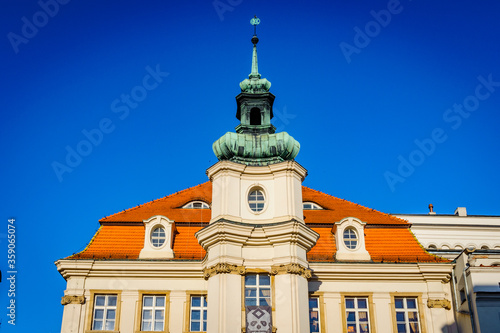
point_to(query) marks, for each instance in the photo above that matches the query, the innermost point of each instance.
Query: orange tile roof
(388, 238)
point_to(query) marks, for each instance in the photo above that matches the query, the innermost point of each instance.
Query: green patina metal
(255, 141)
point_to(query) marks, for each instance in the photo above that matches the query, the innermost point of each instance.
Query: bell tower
(256, 242)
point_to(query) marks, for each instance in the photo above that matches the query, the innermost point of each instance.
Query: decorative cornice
(223, 268)
(291, 269)
(72, 299)
(439, 303)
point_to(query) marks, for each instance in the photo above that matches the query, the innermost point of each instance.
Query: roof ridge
(152, 201)
(361, 206)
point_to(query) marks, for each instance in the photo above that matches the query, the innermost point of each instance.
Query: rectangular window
(357, 315)
(314, 323)
(407, 315)
(104, 315)
(198, 316)
(257, 290)
(153, 313)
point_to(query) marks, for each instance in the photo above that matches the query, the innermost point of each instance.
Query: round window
(158, 236)
(350, 238)
(256, 200)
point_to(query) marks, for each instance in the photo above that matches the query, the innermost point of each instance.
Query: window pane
(195, 326)
(351, 316)
(313, 302)
(195, 301)
(147, 314)
(110, 314)
(351, 328)
(414, 328)
(205, 315)
(158, 314)
(349, 303)
(110, 325)
(398, 303)
(251, 292)
(146, 326)
(363, 316)
(264, 302)
(251, 280)
(99, 314)
(264, 280)
(411, 303)
(205, 326)
(97, 325)
(400, 316)
(99, 300)
(363, 328)
(362, 303)
(148, 300)
(158, 326)
(265, 293)
(412, 316)
(204, 301)
(160, 301)
(111, 300)
(401, 328)
(195, 315)
(250, 301)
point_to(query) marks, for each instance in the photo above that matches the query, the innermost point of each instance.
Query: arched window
(311, 206)
(432, 247)
(197, 205)
(255, 118)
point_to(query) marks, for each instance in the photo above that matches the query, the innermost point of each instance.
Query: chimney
(431, 210)
(461, 211)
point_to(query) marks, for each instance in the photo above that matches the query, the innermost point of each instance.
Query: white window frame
(357, 310)
(105, 308)
(315, 309)
(153, 308)
(406, 311)
(258, 288)
(203, 313)
(312, 206)
(191, 205)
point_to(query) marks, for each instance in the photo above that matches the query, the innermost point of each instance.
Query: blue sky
(395, 104)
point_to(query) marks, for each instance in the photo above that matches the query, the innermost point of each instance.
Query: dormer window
(350, 240)
(311, 206)
(196, 205)
(158, 238)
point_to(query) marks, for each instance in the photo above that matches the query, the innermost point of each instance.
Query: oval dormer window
(350, 238)
(197, 205)
(158, 237)
(256, 200)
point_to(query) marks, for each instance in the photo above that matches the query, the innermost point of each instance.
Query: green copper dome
(255, 141)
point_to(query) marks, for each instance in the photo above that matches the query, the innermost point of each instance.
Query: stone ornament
(72, 300)
(223, 268)
(292, 269)
(439, 303)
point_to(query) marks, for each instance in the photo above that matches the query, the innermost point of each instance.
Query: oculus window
(256, 200)
(158, 236)
(350, 238)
